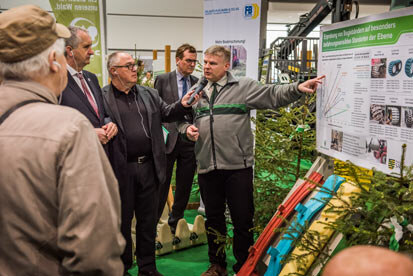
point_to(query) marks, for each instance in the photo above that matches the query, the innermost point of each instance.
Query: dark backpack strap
(11, 110)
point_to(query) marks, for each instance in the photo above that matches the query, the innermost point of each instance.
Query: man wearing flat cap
(59, 199)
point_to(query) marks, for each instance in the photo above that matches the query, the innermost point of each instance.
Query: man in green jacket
(224, 149)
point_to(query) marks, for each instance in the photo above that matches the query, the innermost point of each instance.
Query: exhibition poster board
(86, 14)
(365, 104)
(236, 25)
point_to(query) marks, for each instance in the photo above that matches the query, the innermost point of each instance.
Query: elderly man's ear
(54, 65)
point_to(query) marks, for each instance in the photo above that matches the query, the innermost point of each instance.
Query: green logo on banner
(85, 14)
(90, 27)
(376, 33)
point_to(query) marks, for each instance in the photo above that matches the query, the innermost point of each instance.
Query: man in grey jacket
(224, 149)
(59, 198)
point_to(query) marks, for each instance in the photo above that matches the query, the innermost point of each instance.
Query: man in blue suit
(83, 91)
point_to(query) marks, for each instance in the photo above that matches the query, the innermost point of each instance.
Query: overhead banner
(236, 25)
(85, 14)
(365, 104)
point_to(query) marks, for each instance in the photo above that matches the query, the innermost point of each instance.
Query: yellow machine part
(293, 68)
(346, 190)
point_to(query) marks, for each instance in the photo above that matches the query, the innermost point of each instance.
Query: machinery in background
(398, 4)
(296, 55)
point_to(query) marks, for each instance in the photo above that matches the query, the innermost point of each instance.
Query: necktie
(87, 93)
(184, 86)
(213, 94)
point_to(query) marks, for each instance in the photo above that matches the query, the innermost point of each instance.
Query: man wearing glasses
(83, 91)
(172, 87)
(139, 152)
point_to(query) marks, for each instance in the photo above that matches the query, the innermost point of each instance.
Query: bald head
(365, 260)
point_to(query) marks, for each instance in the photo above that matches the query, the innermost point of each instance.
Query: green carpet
(187, 262)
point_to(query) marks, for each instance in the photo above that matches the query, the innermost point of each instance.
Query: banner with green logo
(85, 14)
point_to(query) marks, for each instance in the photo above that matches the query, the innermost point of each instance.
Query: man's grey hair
(218, 50)
(113, 59)
(34, 67)
(74, 40)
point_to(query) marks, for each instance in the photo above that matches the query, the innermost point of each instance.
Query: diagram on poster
(365, 104)
(332, 95)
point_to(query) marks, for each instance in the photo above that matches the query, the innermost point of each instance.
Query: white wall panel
(152, 32)
(157, 7)
(7, 4)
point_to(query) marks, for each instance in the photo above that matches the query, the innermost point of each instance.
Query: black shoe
(215, 270)
(173, 229)
(173, 222)
(149, 273)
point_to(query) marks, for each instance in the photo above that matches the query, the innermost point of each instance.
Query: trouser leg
(239, 191)
(126, 191)
(213, 195)
(236, 188)
(164, 187)
(146, 203)
(185, 171)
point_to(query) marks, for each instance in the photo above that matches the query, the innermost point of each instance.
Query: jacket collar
(231, 78)
(33, 87)
(174, 84)
(109, 97)
(228, 79)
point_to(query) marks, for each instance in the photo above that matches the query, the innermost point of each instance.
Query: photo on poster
(407, 115)
(408, 67)
(378, 68)
(377, 150)
(393, 115)
(238, 62)
(336, 140)
(395, 67)
(377, 114)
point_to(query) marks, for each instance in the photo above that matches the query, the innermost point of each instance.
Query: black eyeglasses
(129, 66)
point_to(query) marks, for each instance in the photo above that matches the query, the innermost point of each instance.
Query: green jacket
(225, 138)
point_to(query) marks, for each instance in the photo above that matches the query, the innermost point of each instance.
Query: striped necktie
(88, 93)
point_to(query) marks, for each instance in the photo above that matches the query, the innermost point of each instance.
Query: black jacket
(158, 112)
(74, 97)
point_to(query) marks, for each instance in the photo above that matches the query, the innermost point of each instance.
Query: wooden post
(154, 54)
(170, 199)
(167, 58)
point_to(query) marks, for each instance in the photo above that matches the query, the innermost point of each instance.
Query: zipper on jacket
(211, 127)
(242, 150)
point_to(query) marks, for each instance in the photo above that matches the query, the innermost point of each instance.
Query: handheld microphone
(200, 87)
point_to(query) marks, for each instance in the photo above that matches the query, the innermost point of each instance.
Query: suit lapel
(193, 80)
(78, 92)
(144, 94)
(109, 97)
(95, 91)
(174, 85)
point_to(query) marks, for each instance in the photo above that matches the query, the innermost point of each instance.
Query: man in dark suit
(171, 87)
(83, 91)
(139, 151)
